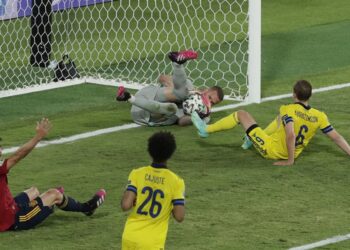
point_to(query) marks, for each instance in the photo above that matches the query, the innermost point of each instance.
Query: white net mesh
(129, 40)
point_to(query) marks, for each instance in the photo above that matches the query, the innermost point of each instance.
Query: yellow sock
(272, 127)
(225, 123)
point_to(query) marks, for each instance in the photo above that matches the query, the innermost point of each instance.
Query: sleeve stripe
(178, 202)
(132, 188)
(286, 119)
(327, 129)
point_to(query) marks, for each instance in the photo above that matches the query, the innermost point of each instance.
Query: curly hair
(161, 146)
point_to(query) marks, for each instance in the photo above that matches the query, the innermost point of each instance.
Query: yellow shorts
(265, 144)
(130, 245)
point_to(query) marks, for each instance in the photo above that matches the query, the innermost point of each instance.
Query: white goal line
(321, 243)
(77, 137)
(85, 135)
(133, 125)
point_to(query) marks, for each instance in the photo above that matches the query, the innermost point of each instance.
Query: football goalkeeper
(287, 136)
(158, 105)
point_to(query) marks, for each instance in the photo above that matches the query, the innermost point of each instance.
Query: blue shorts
(30, 213)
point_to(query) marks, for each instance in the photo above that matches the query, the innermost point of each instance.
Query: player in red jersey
(30, 208)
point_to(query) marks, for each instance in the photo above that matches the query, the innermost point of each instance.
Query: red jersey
(8, 205)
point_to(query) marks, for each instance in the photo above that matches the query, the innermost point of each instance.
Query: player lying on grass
(30, 208)
(158, 105)
(153, 193)
(286, 137)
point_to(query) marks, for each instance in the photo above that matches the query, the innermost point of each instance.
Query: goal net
(128, 40)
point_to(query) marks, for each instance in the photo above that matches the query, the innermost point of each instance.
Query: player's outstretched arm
(290, 140)
(339, 140)
(42, 129)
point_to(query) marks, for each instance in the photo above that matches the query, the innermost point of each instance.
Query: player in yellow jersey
(286, 137)
(153, 193)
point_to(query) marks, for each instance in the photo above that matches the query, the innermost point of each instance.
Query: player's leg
(179, 74)
(52, 197)
(261, 141)
(240, 117)
(154, 99)
(269, 130)
(228, 122)
(244, 118)
(95, 202)
(66, 203)
(33, 212)
(169, 92)
(166, 81)
(259, 138)
(30, 212)
(32, 193)
(164, 108)
(146, 99)
(225, 123)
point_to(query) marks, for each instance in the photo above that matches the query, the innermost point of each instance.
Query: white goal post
(126, 41)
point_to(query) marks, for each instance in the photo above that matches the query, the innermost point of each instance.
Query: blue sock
(69, 204)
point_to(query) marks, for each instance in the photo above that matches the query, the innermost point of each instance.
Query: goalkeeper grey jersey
(144, 117)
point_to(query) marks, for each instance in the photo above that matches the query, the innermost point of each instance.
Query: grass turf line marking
(278, 97)
(133, 125)
(321, 243)
(77, 137)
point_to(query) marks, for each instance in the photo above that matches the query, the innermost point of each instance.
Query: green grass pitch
(235, 199)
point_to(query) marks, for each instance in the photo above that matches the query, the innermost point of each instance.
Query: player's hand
(283, 163)
(43, 127)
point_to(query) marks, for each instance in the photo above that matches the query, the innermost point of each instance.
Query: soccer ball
(194, 103)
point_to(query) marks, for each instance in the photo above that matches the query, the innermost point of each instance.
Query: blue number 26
(156, 206)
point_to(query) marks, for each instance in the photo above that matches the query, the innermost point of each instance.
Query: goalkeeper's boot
(182, 56)
(247, 143)
(95, 202)
(199, 124)
(122, 94)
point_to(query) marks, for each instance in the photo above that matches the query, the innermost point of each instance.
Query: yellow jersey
(157, 190)
(306, 121)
